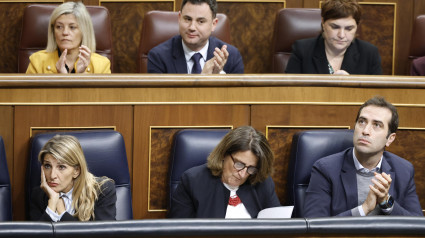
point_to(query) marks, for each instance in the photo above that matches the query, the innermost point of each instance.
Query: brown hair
(239, 140)
(336, 9)
(381, 102)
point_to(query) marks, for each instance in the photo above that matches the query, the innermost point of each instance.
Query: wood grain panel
(10, 27)
(382, 38)
(170, 116)
(283, 121)
(61, 116)
(6, 132)
(280, 139)
(161, 147)
(405, 18)
(280, 142)
(252, 37)
(409, 145)
(161, 144)
(126, 22)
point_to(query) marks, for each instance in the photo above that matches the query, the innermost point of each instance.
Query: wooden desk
(149, 109)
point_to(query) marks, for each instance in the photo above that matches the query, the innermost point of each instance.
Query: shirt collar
(68, 194)
(360, 168)
(188, 53)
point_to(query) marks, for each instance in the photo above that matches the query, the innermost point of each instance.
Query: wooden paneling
(179, 116)
(408, 145)
(382, 38)
(61, 116)
(10, 27)
(126, 21)
(252, 37)
(6, 131)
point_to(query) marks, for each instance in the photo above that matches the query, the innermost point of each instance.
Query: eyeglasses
(251, 170)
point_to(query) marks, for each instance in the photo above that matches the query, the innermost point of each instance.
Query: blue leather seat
(307, 147)
(191, 148)
(5, 191)
(105, 155)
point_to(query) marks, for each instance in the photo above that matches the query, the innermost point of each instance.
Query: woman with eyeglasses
(234, 183)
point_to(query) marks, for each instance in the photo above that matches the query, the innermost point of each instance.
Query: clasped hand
(82, 63)
(378, 192)
(216, 64)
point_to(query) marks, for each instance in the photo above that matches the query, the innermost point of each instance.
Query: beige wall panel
(61, 116)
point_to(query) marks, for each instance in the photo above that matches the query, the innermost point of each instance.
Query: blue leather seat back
(105, 155)
(191, 148)
(5, 191)
(307, 147)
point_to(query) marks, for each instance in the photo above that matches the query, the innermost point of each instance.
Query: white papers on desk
(276, 212)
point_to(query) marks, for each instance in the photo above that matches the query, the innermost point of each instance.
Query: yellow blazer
(43, 62)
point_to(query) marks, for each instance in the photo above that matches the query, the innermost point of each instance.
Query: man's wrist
(387, 203)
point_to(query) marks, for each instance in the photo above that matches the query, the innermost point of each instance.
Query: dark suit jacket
(104, 207)
(168, 57)
(309, 57)
(332, 190)
(202, 195)
(418, 67)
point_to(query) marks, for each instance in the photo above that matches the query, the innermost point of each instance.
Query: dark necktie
(196, 69)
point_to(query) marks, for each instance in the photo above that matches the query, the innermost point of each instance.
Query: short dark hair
(381, 102)
(336, 9)
(242, 139)
(211, 3)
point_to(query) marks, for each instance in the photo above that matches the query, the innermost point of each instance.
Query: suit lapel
(351, 58)
(222, 209)
(211, 47)
(349, 179)
(249, 199)
(319, 58)
(179, 61)
(386, 167)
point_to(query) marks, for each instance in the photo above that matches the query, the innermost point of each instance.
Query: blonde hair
(239, 140)
(84, 23)
(67, 150)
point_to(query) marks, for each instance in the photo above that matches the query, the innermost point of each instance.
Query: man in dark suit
(365, 180)
(195, 50)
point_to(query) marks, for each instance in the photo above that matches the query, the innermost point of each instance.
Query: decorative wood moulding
(37, 130)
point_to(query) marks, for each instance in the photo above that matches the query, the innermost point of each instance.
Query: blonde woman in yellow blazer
(70, 45)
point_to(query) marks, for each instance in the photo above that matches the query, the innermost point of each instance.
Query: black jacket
(104, 207)
(309, 57)
(202, 195)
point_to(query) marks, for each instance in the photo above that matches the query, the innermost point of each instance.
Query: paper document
(276, 212)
